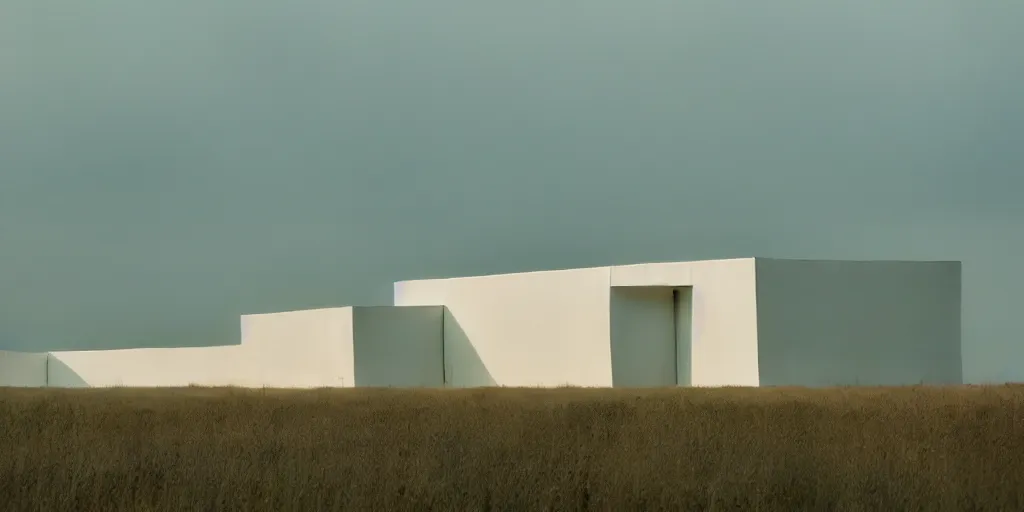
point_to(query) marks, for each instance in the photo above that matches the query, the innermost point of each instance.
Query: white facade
(295, 349)
(555, 328)
(739, 322)
(299, 349)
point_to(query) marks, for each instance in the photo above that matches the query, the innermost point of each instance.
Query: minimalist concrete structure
(301, 349)
(738, 322)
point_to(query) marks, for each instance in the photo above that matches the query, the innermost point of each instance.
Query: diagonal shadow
(463, 366)
(60, 375)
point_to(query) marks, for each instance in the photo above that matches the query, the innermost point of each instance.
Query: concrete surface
(738, 322)
(555, 327)
(723, 315)
(293, 349)
(858, 323)
(532, 329)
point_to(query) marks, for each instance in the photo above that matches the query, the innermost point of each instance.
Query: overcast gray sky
(167, 166)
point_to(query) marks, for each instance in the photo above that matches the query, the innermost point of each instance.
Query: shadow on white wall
(463, 366)
(59, 374)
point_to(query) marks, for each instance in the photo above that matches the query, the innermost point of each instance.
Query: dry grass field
(914, 448)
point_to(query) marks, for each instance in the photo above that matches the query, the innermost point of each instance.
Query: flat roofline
(837, 260)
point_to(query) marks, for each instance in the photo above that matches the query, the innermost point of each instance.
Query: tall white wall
(858, 323)
(296, 349)
(150, 367)
(530, 329)
(723, 315)
(301, 349)
(21, 369)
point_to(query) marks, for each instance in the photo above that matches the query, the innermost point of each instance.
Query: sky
(167, 166)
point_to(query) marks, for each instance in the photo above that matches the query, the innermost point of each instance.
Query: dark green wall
(167, 166)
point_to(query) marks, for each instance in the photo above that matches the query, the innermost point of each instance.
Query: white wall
(295, 349)
(859, 323)
(304, 349)
(643, 337)
(398, 346)
(21, 369)
(750, 323)
(335, 347)
(723, 315)
(531, 329)
(554, 328)
(155, 367)
(462, 364)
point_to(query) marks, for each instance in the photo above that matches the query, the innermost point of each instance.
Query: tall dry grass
(513, 449)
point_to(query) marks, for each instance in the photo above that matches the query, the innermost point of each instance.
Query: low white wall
(151, 367)
(295, 349)
(21, 369)
(825, 323)
(529, 329)
(723, 308)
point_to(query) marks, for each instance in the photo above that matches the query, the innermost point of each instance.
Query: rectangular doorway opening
(650, 336)
(682, 319)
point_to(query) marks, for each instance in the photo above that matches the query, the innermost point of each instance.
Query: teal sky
(167, 166)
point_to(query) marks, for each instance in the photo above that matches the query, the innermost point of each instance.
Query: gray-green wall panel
(822, 323)
(398, 346)
(643, 343)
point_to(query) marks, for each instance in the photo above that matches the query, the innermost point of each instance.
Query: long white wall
(530, 329)
(335, 347)
(154, 367)
(741, 322)
(301, 349)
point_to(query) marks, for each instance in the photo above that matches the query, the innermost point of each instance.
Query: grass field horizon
(847, 448)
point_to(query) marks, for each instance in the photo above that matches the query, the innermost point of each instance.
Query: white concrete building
(739, 322)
